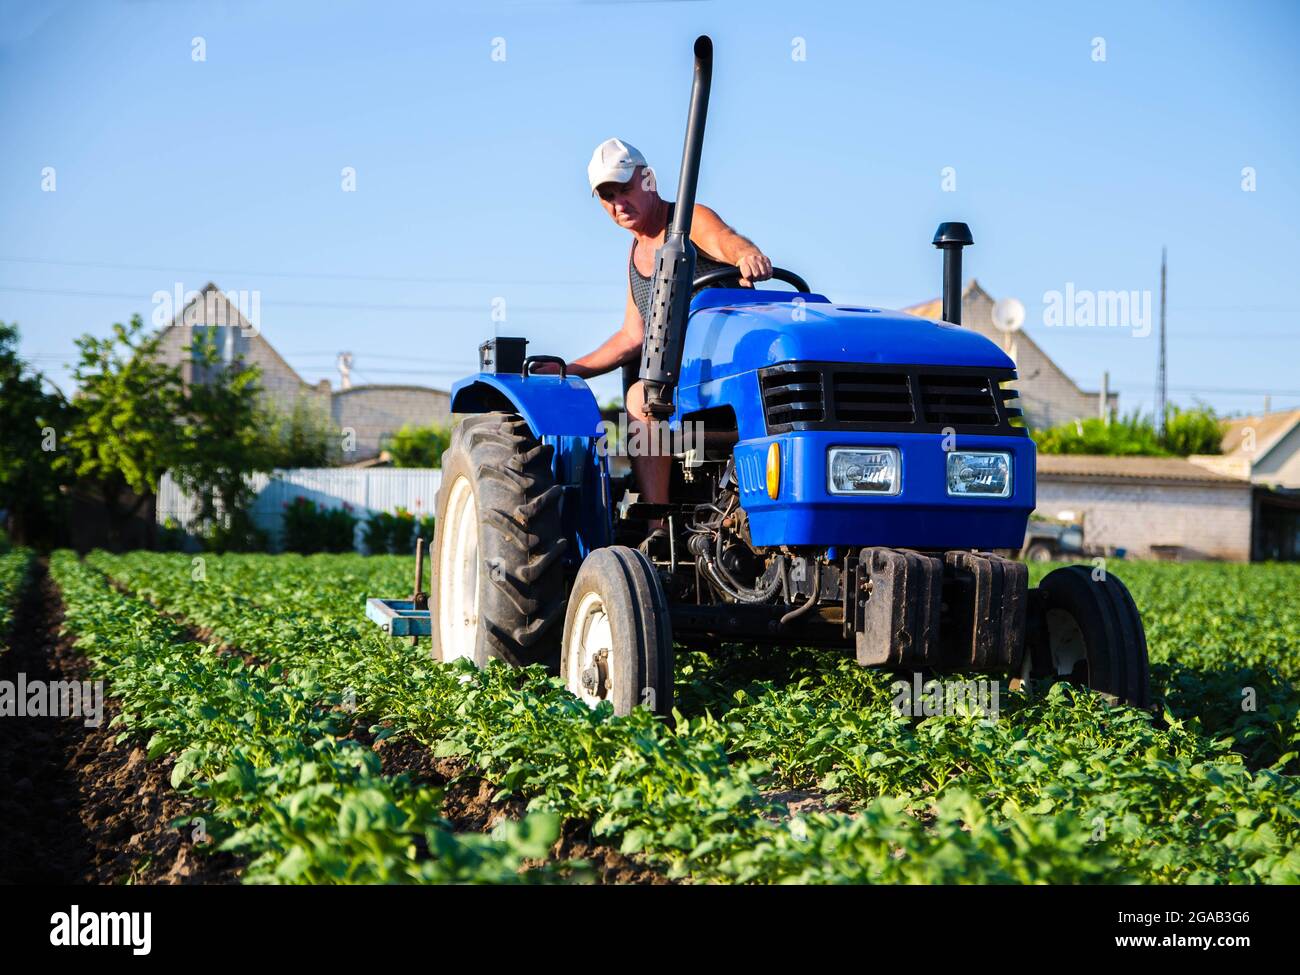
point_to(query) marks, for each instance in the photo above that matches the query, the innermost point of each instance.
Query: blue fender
(562, 413)
(553, 407)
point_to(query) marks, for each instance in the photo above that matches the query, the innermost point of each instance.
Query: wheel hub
(595, 678)
(590, 646)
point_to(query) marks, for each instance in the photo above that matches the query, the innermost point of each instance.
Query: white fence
(367, 490)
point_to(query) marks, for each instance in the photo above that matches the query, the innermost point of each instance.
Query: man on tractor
(624, 182)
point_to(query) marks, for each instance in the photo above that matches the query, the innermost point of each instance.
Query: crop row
(1225, 651)
(1060, 788)
(268, 760)
(15, 570)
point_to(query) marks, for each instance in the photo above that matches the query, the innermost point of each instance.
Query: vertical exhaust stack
(661, 350)
(951, 238)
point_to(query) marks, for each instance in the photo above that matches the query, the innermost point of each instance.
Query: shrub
(309, 528)
(418, 446)
(1132, 434)
(301, 437)
(395, 533)
(1194, 431)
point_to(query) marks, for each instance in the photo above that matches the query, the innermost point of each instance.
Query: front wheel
(1092, 635)
(618, 643)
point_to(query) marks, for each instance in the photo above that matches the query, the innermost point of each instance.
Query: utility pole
(1103, 400)
(1161, 377)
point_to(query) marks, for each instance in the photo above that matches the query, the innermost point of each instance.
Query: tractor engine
(714, 563)
(719, 544)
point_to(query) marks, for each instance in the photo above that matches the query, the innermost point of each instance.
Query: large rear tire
(498, 572)
(618, 643)
(1092, 635)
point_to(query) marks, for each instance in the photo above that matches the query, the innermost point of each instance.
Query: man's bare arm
(623, 346)
(711, 235)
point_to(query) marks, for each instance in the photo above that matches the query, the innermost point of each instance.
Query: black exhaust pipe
(661, 350)
(951, 238)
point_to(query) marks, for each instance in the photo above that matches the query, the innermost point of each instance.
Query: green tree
(127, 423)
(1195, 431)
(1191, 431)
(413, 446)
(33, 422)
(1133, 434)
(223, 446)
(301, 437)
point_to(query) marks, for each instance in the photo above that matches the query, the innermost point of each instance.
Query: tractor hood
(728, 334)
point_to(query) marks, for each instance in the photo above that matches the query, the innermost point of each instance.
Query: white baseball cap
(614, 161)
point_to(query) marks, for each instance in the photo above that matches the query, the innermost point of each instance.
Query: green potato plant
(1062, 788)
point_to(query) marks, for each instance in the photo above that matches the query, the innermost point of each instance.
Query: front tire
(618, 643)
(498, 586)
(1093, 635)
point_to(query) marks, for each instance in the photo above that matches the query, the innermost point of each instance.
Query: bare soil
(76, 806)
(469, 806)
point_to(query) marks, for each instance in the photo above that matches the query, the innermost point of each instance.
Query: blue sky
(470, 171)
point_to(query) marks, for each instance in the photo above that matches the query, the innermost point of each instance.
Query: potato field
(260, 730)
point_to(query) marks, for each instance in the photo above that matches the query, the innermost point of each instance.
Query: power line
(448, 363)
(1231, 308)
(351, 306)
(530, 309)
(1243, 391)
(373, 355)
(1220, 336)
(319, 275)
(448, 370)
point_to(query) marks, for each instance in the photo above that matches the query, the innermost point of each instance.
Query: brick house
(371, 411)
(1047, 395)
(1152, 507)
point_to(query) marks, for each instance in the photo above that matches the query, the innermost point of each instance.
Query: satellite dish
(1008, 315)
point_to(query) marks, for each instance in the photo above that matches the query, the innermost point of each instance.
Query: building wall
(282, 386)
(1205, 521)
(372, 412)
(376, 411)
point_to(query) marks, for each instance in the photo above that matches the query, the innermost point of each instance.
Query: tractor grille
(840, 396)
(953, 400)
(791, 397)
(884, 397)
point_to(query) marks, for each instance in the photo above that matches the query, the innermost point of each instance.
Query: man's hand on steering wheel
(723, 276)
(753, 266)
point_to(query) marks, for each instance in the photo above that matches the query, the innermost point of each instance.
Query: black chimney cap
(952, 235)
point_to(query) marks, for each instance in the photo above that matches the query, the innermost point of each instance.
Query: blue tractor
(841, 476)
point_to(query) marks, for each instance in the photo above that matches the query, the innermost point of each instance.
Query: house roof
(211, 292)
(389, 387)
(1270, 429)
(1131, 469)
(232, 314)
(933, 309)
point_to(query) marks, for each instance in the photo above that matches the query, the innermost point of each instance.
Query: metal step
(399, 617)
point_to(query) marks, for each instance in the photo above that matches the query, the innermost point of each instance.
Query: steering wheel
(733, 274)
